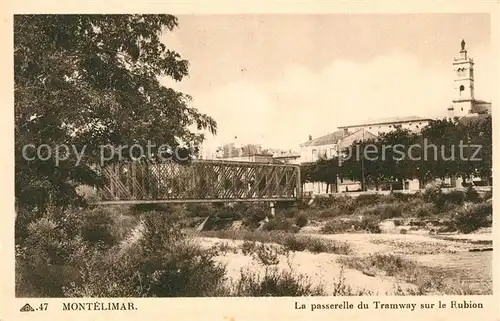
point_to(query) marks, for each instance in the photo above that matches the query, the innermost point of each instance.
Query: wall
(306, 153)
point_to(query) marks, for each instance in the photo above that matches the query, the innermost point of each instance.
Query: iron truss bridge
(199, 181)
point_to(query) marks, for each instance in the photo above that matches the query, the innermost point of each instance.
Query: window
(314, 154)
(462, 88)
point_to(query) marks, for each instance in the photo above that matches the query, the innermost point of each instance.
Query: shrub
(275, 283)
(382, 211)
(473, 217)
(200, 209)
(434, 194)
(251, 214)
(403, 197)
(248, 247)
(488, 195)
(366, 224)
(267, 254)
(301, 220)
(98, 226)
(323, 202)
(454, 197)
(294, 244)
(471, 195)
(368, 199)
(316, 245)
(163, 263)
(280, 224)
(423, 210)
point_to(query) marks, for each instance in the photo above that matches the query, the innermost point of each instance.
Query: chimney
(310, 138)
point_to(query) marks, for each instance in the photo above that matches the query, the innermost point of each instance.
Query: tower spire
(462, 44)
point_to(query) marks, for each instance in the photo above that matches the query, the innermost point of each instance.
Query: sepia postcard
(246, 161)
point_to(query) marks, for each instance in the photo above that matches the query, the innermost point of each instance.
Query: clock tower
(463, 97)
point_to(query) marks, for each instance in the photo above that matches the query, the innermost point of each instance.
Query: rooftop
(334, 138)
(390, 120)
(328, 139)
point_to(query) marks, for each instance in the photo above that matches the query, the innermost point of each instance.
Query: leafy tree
(326, 171)
(92, 80)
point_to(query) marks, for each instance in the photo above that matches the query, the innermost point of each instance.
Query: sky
(276, 79)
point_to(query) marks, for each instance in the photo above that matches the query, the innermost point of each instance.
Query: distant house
(329, 146)
(288, 158)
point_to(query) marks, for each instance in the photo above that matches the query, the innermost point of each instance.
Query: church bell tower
(463, 97)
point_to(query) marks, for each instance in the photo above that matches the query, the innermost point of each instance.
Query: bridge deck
(199, 181)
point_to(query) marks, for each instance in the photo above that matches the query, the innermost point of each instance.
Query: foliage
(368, 224)
(382, 211)
(301, 220)
(275, 283)
(89, 81)
(473, 217)
(444, 148)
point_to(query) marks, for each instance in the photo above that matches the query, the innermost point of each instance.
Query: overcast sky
(275, 79)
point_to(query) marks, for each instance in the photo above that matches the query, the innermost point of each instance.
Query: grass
(290, 241)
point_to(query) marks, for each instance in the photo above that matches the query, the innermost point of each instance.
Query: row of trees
(443, 149)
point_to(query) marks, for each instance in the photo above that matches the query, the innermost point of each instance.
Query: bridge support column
(271, 204)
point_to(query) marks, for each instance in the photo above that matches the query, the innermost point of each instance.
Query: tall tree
(92, 80)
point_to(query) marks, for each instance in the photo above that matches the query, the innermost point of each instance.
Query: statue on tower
(463, 45)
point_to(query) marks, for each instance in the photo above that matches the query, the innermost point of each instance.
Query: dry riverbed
(327, 270)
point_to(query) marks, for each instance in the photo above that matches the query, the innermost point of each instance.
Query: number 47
(43, 307)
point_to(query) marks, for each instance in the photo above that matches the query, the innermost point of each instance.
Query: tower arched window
(461, 88)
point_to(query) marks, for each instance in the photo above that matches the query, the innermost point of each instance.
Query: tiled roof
(390, 120)
(328, 139)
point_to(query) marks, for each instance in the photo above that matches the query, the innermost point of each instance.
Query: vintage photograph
(253, 155)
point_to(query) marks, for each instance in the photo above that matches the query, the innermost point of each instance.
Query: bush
(248, 247)
(368, 199)
(163, 263)
(280, 224)
(488, 195)
(454, 197)
(403, 197)
(471, 195)
(200, 209)
(434, 194)
(323, 202)
(301, 220)
(473, 217)
(368, 224)
(316, 245)
(78, 254)
(423, 210)
(267, 254)
(382, 211)
(275, 283)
